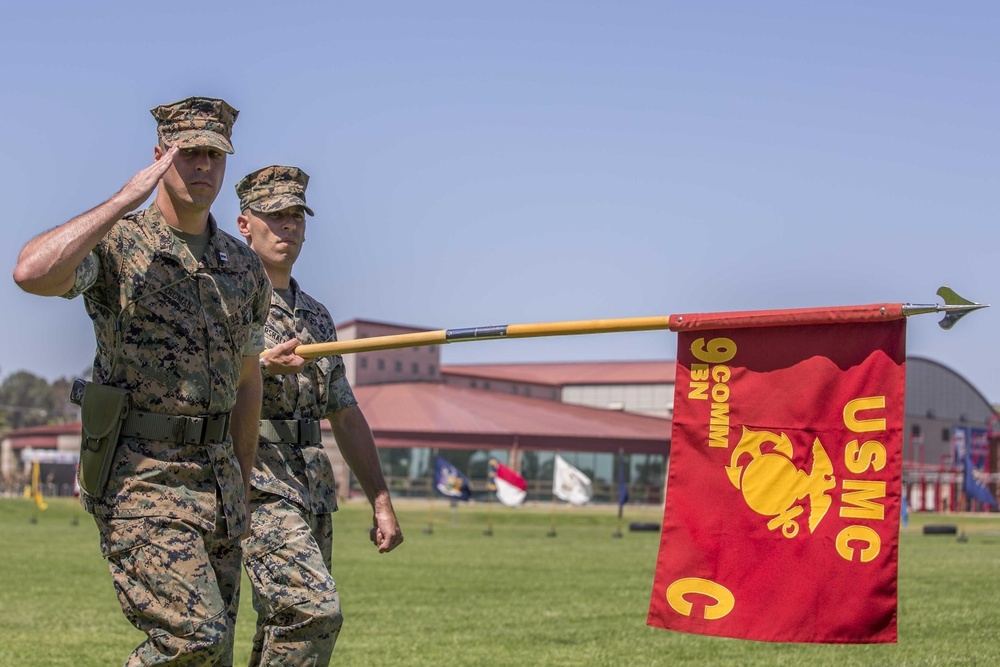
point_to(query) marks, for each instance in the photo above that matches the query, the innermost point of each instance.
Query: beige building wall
(529, 389)
(410, 364)
(648, 399)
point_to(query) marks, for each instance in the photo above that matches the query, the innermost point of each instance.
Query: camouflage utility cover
(173, 332)
(302, 474)
(273, 188)
(196, 122)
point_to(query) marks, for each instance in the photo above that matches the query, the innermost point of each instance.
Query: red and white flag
(511, 489)
(782, 512)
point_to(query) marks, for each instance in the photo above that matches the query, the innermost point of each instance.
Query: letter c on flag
(724, 599)
(871, 544)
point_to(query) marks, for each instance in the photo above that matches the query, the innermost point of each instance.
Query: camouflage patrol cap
(195, 122)
(273, 188)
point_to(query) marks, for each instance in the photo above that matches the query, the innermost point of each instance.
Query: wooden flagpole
(954, 308)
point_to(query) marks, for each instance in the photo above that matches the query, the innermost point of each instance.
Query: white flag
(570, 484)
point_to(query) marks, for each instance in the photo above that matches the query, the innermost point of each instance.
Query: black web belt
(206, 429)
(291, 431)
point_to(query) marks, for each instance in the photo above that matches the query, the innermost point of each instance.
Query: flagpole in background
(489, 511)
(954, 308)
(36, 490)
(429, 530)
(622, 491)
(552, 529)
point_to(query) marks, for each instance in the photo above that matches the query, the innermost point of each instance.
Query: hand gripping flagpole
(954, 308)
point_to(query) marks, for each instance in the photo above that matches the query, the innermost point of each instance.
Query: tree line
(28, 400)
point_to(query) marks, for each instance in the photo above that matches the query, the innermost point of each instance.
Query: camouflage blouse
(302, 474)
(172, 331)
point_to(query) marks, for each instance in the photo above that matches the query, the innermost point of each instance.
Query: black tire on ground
(940, 529)
(638, 526)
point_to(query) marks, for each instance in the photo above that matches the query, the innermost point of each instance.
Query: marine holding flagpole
(288, 555)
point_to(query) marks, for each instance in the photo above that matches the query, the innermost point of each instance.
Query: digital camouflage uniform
(172, 331)
(288, 555)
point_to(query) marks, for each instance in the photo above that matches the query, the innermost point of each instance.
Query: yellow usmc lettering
(860, 497)
(723, 599)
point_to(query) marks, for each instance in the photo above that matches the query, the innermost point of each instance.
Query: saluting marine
(170, 420)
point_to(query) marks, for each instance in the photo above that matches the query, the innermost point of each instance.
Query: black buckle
(308, 430)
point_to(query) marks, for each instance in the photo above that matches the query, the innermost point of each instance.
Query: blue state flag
(974, 486)
(449, 480)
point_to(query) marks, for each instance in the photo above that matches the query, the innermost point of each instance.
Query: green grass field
(456, 596)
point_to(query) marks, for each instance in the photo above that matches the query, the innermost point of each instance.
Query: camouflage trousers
(177, 583)
(287, 559)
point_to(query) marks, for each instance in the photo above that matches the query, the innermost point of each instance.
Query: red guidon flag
(782, 513)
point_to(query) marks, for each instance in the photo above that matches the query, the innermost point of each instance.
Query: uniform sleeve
(86, 275)
(255, 343)
(341, 395)
(261, 308)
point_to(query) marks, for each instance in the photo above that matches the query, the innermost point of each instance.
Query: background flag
(782, 513)
(570, 484)
(36, 486)
(511, 489)
(973, 484)
(449, 480)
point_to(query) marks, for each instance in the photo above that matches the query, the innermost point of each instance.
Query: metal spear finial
(955, 307)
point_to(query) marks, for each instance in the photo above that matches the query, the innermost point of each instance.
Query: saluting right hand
(140, 186)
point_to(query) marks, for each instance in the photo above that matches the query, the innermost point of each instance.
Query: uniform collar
(169, 244)
(301, 303)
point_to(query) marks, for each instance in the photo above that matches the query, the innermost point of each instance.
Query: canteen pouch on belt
(103, 412)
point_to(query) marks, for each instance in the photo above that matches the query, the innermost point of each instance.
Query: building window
(486, 385)
(363, 362)
(432, 348)
(527, 391)
(513, 389)
(398, 366)
(473, 384)
(945, 435)
(430, 369)
(381, 364)
(415, 368)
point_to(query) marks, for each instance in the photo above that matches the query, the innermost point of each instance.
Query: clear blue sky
(489, 163)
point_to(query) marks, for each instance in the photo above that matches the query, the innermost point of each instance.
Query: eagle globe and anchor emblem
(772, 485)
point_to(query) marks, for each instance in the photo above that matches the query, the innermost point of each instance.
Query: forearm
(246, 417)
(357, 445)
(47, 264)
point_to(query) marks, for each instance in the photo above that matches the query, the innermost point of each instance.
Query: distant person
(288, 554)
(170, 419)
